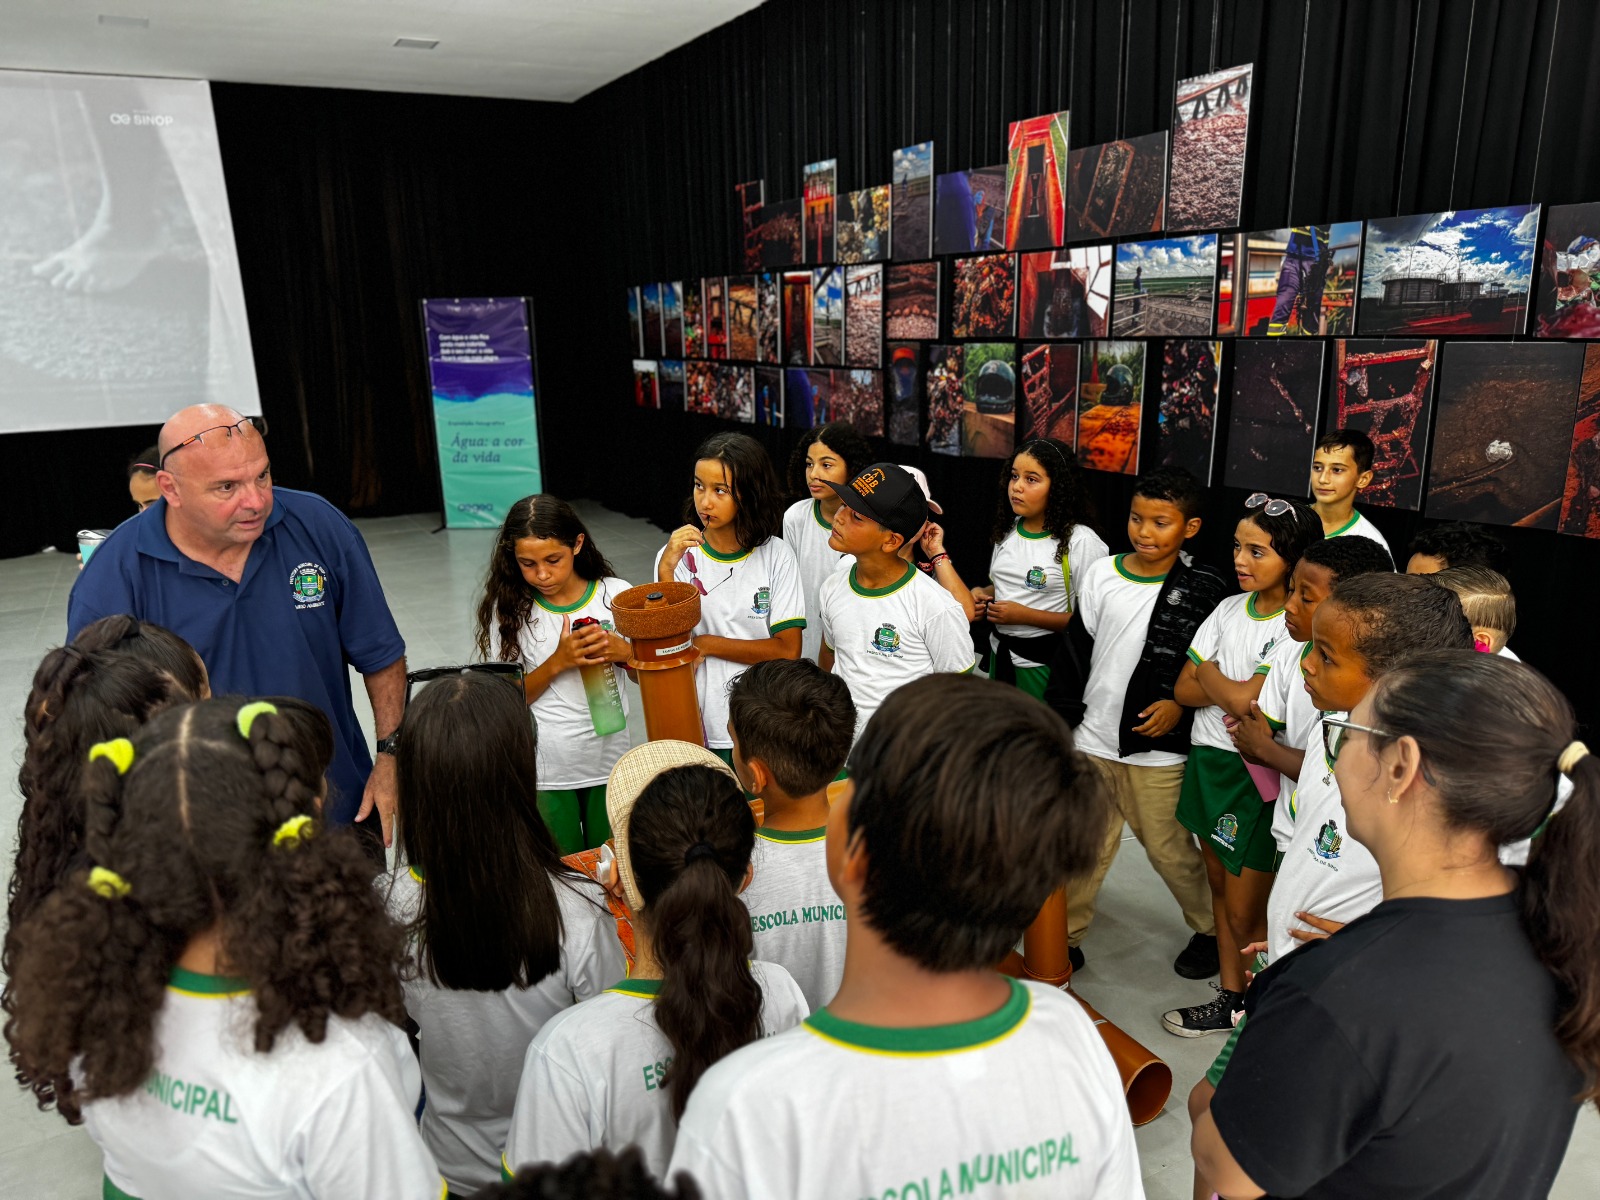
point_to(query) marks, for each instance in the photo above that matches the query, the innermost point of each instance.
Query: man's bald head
(197, 418)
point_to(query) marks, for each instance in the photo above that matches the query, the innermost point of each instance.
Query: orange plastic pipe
(658, 619)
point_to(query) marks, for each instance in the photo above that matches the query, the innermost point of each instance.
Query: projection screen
(120, 294)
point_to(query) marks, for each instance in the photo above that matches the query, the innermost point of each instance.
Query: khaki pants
(1147, 798)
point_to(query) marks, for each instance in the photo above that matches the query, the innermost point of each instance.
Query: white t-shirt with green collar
(571, 754)
(1027, 568)
(1025, 1102)
(594, 1076)
(1359, 526)
(1286, 704)
(806, 533)
(217, 1119)
(751, 595)
(1238, 639)
(472, 1043)
(796, 918)
(883, 638)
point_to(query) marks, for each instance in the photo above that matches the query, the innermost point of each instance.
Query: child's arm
(1253, 736)
(945, 571)
(1187, 690)
(591, 646)
(685, 537)
(1009, 612)
(749, 651)
(825, 658)
(1233, 696)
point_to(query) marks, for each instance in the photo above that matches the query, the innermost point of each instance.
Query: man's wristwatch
(387, 745)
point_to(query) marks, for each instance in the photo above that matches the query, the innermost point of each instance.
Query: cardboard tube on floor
(659, 620)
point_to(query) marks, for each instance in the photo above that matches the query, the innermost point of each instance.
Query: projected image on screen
(120, 295)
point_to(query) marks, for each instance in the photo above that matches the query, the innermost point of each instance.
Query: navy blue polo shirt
(308, 607)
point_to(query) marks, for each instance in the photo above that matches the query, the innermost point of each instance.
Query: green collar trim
(1021, 532)
(416, 873)
(874, 593)
(792, 835)
(588, 595)
(1250, 610)
(643, 989)
(1305, 652)
(816, 515)
(192, 983)
(1132, 578)
(928, 1039)
(1347, 526)
(736, 556)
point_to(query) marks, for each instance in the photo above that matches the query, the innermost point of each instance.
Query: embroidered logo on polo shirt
(886, 640)
(1227, 831)
(762, 604)
(1035, 578)
(1329, 841)
(309, 584)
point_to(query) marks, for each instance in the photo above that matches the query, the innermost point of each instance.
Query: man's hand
(381, 793)
(1160, 719)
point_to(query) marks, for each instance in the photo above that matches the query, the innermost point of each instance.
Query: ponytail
(690, 836)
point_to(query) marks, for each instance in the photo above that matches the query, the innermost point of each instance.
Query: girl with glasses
(547, 604)
(1441, 1044)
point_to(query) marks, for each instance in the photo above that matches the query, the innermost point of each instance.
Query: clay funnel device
(659, 620)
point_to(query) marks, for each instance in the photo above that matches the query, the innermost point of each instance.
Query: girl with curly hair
(547, 604)
(1043, 541)
(216, 997)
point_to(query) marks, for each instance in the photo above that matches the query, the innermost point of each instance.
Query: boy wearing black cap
(885, 623)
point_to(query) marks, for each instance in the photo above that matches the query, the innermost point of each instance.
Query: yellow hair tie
(290, 830)
(248, 714)
(107, 883)
(118, 750)
(1571, 756)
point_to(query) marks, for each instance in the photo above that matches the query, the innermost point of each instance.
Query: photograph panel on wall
(694, 326)
(742, 317)
(645, 390)
(911, 208)
(1384, 388)
(969, 212)
(984, 302)
(1272, 421)
(863, 315)
(650, 310)
(736, 392)
(672, 317)
(805, 396)
(1449, 273)
(1049, 393)
(1166, 287)
(858, 399)
(1052, 297)
(861, 230)
(769, 289)
(827, 316)
(818, 188)
(1294, 282)
(1210, 133)
(714, 315)
(700, 387)
(1092, 268)
(989, 400)
(1503, 437)
(1580, 502)
(911, 300)
(669, 385)
(943, 379)
(635, 321)
(796, 300)
(1568, 297)
(1117, 189)
(902, 394)
(778, 235)
(1110, 405)
(1036, 182)
(1186, 416)
(769, 396)
(749, 198)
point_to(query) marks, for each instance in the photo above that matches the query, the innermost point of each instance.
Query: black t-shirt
(1412, 1055)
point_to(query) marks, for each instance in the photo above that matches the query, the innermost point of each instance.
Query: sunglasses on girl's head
(1274, 508)
(510, 672)
(1336, 732)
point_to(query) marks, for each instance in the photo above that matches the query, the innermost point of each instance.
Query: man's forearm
(387, 691)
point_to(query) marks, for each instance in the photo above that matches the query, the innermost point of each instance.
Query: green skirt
(1221, 806)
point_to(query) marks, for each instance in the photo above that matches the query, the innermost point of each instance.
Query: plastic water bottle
(600, 690)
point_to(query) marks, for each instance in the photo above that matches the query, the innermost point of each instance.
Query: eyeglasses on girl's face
(1336, 734)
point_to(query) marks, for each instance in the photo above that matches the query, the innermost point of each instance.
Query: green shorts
(1221, 806)
(1031, 680)
(1214, 1075)
(576, 817)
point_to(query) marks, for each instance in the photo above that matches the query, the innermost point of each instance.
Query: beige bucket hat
(631, 775)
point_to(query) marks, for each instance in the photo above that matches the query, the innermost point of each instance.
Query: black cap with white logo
(887, 493)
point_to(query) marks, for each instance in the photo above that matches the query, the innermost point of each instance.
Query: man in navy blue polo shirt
(275, 590)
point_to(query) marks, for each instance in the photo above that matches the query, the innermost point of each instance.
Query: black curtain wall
(350, 207)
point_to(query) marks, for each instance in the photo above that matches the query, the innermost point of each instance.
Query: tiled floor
(432, 581)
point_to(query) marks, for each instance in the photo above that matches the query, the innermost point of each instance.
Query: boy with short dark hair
(1489, 604)
(885, 623)
(1341, 467)
(1142, 610)
(792, 724)
(967, 806)
(1453, 544)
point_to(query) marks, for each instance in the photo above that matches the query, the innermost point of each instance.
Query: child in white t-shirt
(547, 604)
(217, 995)
(752, 604)
(618, 1069)
(1341, 468)
(1487, 599)
(829, 453)
(504, 936)
(942, 850)
(885, 623)
(1043, 543)
(792, 723)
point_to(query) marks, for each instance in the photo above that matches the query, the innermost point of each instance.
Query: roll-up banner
(485, 411)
